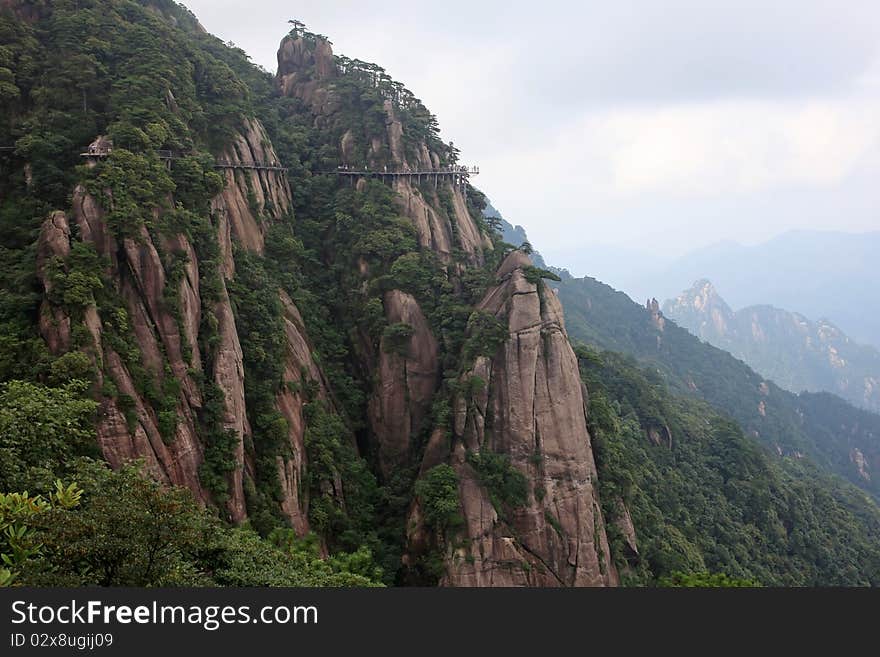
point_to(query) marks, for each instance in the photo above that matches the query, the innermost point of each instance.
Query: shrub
(534, 275)
(508, 488)
(438, 494)
(486, 334)
(395, 338)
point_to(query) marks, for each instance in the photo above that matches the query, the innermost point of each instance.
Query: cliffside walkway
(169, 157)
(105, 152)
(258, 166)
(457, 175)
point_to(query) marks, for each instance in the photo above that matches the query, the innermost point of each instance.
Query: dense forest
(212, 375)
(705, 497)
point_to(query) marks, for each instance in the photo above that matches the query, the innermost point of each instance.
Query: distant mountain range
(795, 352)
(821, 274)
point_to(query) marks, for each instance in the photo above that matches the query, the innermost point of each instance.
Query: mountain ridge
(785, 346)
(823, 274)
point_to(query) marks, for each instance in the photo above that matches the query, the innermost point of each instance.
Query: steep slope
(139, 273)
(786, 347)
(601, 316)
(524, 404)
(285, 341)
(444, 317)
(373, 123)
(684, 490)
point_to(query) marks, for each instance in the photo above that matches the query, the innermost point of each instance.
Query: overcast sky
(663, 125)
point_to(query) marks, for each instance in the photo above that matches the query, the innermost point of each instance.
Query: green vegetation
(716, 501)
(705, 580)
(508, 488)
(41, 431)
(260, 330)
(486, 334)
(600, 316)
(534, 275)
(438, 493)
(705, 500)
(19, 513)
(395, 338)
(344, 494)
(127, 530)
(123, 528)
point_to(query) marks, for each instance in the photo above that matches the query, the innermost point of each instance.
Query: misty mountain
(792, 350)
(808, 426)
(822, 274)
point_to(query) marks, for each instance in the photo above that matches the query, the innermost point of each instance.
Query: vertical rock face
(129, 424)
(299, 362)
(306, 69)
(533, 411)
(126, 434)
(249, 194)
(54, 242)
(406, 381)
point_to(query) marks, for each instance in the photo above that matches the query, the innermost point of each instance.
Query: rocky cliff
(529, 407)
(168, 355)
(300, 349)
(533, 396)
(331, 88)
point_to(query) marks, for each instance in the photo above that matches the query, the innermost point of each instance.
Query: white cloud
(730, 147)
(668, 124)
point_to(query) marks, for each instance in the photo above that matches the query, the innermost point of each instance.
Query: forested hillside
(686, 491)
(299, 350)
(836, 436)
(226, 359)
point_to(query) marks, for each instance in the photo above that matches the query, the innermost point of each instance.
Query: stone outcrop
(406, 380)
(249, 194)
(129, 426)
(54, 242)
(132, 430)
(536, 405)
(660, 436)
(653, 308)
(861, 463)
(299, 364)
(306, 70)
